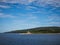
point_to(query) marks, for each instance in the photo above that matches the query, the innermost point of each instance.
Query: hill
(38, 30)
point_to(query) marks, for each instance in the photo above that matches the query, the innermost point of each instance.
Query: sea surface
(29, 39)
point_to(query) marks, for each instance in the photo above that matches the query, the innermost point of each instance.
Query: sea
(29, 39)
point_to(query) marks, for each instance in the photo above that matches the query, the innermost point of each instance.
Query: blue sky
(23, 14)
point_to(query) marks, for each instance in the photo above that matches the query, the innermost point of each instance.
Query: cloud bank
(39, 2)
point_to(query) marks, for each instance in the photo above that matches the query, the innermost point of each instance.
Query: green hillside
(38, 30)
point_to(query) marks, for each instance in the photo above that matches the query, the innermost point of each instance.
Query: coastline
(39, 33)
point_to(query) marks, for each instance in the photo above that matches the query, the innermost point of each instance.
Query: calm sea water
(31, 39)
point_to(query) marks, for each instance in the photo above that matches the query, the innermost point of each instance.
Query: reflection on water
(29, 39)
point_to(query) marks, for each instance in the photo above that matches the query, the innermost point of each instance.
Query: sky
(25, 14)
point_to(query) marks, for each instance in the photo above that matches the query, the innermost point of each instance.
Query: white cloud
(32, 17)
(3, 6)
(29, 21)
(2, 15)
(30, 7)
(43, 3)
(55, 23)
(17, 1)
(55, 3)
(29, 16)
(53, 17)
(26, 23)
(31, 0)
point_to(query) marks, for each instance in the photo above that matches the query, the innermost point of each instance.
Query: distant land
(52, 29)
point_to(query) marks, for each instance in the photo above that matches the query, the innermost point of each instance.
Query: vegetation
(39, 30)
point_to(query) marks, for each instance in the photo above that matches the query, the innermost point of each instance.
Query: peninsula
(38, 30)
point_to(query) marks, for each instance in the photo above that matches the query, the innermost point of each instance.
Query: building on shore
(28, 32)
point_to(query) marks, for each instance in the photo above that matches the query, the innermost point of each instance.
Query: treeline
(39, 30)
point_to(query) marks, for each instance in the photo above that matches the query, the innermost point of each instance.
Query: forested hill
(38, 30)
